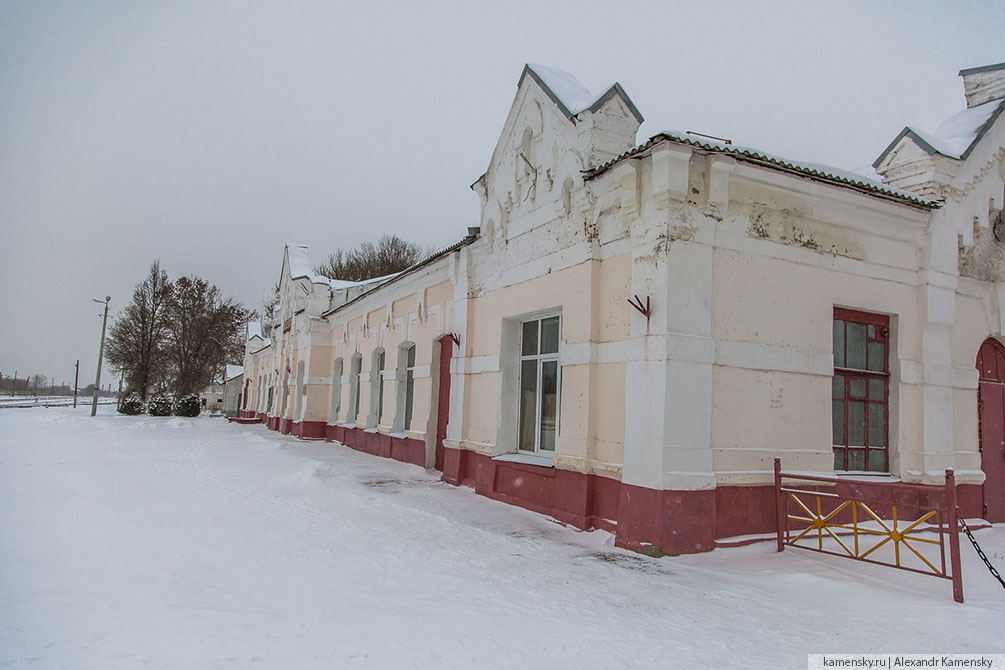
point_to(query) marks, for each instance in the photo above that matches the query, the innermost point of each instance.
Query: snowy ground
(193, 543)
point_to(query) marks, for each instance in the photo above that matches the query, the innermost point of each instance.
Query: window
(376, 388)
(300, 405)
(404, 387)
(539, 384)
(336, 399)
(861, 391)
(354, 367)
(409, 384)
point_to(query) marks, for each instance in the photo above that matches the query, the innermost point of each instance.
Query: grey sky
(208, 134)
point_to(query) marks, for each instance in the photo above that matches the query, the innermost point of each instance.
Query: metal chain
(980, 552)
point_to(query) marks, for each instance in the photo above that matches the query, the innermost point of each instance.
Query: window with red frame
(861, 391)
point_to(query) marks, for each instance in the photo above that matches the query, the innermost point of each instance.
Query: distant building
(233, 388)
(634, 332)
(211, 398)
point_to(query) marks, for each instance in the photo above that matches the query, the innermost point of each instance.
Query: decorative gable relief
(549, 138)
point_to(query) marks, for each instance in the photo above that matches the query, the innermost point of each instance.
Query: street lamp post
(101, 351)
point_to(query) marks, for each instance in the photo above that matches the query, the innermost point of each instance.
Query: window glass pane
(549, 335)
(856, 459)
(529, 338)
(855, 346)
(409, 394)
(839, 459)
(528, 404)
(877, 460)
(410, 360)
(839, 343)
(837, 419)
(877, 425)
(856, 423)
(872, 332)
(877, 389)
(549, 404)
(856, 388)
(837, 386)
(877, 356)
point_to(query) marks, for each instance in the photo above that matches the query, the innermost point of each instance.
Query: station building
(633, 332)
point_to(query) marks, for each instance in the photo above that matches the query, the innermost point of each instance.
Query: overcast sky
(208, 134)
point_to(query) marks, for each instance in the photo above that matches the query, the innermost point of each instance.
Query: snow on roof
(571, 95)
(955, 136)
(300, 261)
(961, 129)
(566, 88)
(233, 371)
(341, 284)
(817, 170)
(254, 329)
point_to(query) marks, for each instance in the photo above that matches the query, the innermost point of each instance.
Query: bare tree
(205, 332)
(391, 254)
(136, 340)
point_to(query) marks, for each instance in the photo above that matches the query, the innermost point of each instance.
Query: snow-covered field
(190, 543)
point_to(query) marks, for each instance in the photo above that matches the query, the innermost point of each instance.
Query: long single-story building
(633, 332)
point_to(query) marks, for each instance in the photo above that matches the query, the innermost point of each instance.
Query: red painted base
(675, 522)
(404, 449)
(580, 500)
(309, 430)
(242, 419)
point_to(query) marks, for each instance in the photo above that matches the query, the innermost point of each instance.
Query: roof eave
(915, 201)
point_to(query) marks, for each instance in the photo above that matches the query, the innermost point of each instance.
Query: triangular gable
(956, 137)
(570, 96)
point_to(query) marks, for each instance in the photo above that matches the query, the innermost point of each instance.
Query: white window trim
(544, 458)
(540, 359)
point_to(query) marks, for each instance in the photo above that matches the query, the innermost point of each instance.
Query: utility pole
(101, 351)
(13, 389)
(76, 372)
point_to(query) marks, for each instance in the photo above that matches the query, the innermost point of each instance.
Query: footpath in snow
(131, 542)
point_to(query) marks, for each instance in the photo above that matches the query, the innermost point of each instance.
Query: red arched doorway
(991, 411)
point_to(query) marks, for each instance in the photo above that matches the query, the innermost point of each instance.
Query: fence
(875, 528)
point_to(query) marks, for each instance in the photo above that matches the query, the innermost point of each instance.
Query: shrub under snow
(160, 406)
(132, 404)
(187, 405)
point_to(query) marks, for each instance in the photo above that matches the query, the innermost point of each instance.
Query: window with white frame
(404, 387)
(376, 388)
(336, 399)
(540, 381)
(409, 384)
(354, 369)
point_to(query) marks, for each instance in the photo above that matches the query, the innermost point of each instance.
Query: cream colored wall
(592, 298)
(419, 315)
(772, 320)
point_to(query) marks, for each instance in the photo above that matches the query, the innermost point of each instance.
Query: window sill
(529, 459)
(866, 476)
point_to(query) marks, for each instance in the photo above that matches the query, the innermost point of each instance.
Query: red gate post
(779, 505)
(954, 536)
